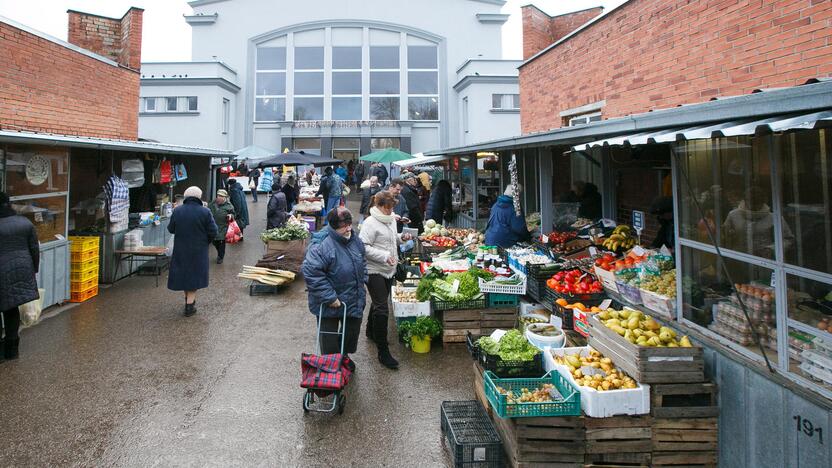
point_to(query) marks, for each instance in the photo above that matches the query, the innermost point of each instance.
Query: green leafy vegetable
(423, 327)
(288, 232)
(512, 347)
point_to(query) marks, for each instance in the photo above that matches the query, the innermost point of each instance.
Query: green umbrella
(388, 155)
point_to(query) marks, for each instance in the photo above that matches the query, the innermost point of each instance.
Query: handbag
(345, 189)
(401, 272)
(251, 184)
(181, 172)
(30, 311)
(234, 233)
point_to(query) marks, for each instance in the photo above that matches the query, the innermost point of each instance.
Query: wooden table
(154, 252)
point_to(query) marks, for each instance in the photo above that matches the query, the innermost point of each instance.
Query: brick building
(68, 123)
(720, 110)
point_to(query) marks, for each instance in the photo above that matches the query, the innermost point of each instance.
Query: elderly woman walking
(194, 229)
(276, 212)
(19, 260)
(223, 212)
(381, 241)
(335, 272)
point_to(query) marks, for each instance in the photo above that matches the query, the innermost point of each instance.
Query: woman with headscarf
(292, 192)
(194, 229)
(19, 261)
(276, 212)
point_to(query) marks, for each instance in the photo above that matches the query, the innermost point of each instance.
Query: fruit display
(434, 240)
(595, 371)
(577, 305)
(640, 329)
(401, 294)
(574, 282)
(527, 320)
(542, 394)
(620, 239)
(466, 236)
(571, 247)
(435, 229)
(663, 284)
(609, 262)
(556, 237)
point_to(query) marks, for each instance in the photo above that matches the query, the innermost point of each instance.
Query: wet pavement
(126, 380)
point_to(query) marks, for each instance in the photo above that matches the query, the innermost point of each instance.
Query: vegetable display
(288, 232)
(422, 327)
(541, 394)
(512, 347)
(574, 282)
(454, 287)
(595, 371)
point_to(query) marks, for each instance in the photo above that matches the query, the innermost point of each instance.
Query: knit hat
(510, 191)
(408, 175)
(193, 191)
(222, 193)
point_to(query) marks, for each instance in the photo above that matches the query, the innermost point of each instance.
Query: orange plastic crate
(82, 296)
(87, 274)
(85, 265)
(83, 256)
(83, 243)
(78, 286)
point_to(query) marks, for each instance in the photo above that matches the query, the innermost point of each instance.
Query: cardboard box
(272, 246)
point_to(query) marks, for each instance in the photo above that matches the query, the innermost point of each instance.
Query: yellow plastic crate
(82, 296)
(83, 243)
(83, 256)
(84, 275)
(78, 286)
(84, 265)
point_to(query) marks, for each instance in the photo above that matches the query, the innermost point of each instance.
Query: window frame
(435, 96)
(574, 120)
(333, 96)
(284, 96)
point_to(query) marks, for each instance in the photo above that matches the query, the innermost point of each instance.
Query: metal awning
(774, 124)
(420, 160)
(34, 138)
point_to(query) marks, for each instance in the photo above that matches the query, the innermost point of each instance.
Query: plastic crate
(481, 303)
(631, 294)
(81, 296)
(663, 306)
(85, 255)
(84, 275)
(84, 265)
(494, 287)
(496, 301)
(470, 435)
(568, 404)
(83, 243)
(257, 288)
(79, 286)
(566, 314)
(511, 369)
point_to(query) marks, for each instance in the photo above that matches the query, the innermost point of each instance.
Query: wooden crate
(551, 442)
(686, 459)
(685, 435)
(504, 318)
(461, 319)
(479, 389)
(650, 365)
(619, 435)
(684, 400)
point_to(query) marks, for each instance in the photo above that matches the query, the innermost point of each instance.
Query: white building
(342, 77)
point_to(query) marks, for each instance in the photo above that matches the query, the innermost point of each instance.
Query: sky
(168, 38)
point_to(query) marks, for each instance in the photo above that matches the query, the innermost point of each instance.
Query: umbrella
(254, 153)
(298, 158)
(386, 156)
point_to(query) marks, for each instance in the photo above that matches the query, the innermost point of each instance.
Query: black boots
(380, 337)
(190, 309)
(368, 331)
(10, 348)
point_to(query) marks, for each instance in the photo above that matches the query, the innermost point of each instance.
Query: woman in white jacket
(381, 242)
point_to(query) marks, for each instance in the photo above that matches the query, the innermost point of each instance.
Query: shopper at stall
(19, 262)
(194, 230)
(238, 199)
(410, 192)
(276, 213)
(330, 190)
(335, 271)
(590, 200)
(381, 172)
(342, 172)
(310, 174)
(381, 242)
(368, 195)
(359, 175)
(750, 226)
(223, 212)
(400, 211)
(292, 192)
(440, 205)
(662, 208)
(505, 227)
(254, 176)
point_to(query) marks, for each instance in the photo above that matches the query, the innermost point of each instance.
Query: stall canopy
(254, 153)
(299, 158)
(779, 123)
(419, 159)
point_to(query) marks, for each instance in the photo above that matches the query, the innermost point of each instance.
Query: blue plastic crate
(498, 301)
(569, 403)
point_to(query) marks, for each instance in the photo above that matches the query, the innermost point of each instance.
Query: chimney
(118, 39)
(541, 30)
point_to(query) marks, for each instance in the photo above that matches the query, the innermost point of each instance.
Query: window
(346, 58)
(385, 89)
(384, 57)
(226, 116)
(347, 83)
(170, 105)
(465, 115)
(346, 108)
(271, 58)
(423, 57)
(384, 108)
(309, 83)
(423, 108)
(38, 183)
(150, 104)
(309, 108)
(378, 144)
(270, 85)
(181, 104)
(584, 119)
(193, 104)
(309, 58)
(505, 101)
(270, 109)
(307, 144)
(422, 83)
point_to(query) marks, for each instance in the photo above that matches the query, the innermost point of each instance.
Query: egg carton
(817, 359)
(816, 373)
(822, 346)
(756, 314)
(743, 339)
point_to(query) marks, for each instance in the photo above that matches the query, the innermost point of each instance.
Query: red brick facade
(48, 87)
(541, 30)
(652, 54)
(119, 39)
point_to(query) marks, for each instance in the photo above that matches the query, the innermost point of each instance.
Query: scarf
(377, 214)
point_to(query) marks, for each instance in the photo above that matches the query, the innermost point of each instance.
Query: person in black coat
(410, 192)
(291, 191)
(276, 215)
(194, 229)
(440, 205)
(368, 195)
(19, 261)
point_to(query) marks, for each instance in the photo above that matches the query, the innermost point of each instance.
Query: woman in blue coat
(505, 228)
(194, 229)
(335, 270)
(238, 199)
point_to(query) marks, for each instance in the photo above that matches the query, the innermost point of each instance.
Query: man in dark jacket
(238, 199)
(381, 172)
(368, 195)
(411, 197)
(194, 229)
(440, 204)
(359, 174)
(254, 175)
(505, 228)
(292, 192)
(330, 190)
(400, 210)
(276, 214)
(19, 262)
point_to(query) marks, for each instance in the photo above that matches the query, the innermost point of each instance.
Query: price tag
(544, 238)
(773, 280)
(606, 304)
(593, 251)
(638, 220)
(556, 321)
(638, 250)
(455, 287)
(498, 335)
(38, 217)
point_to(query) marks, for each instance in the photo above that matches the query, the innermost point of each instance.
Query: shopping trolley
(325, 375)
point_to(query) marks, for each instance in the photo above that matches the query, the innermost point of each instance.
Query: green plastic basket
(568, 405)
(499, 301)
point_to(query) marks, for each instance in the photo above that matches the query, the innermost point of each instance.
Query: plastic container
(663, 306)
(80, 286)
(511, 369)
(85, 255)
(81, 296)
(496, 288)
(481, 303)
(84, 265)
(498, 301)
(410, 309)
(78, 275)
(567, 404)
(470, 435)
(595, 404)
(83, 243)
(420, 345)
(542, 342)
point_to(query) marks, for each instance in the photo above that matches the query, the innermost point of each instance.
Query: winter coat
(330, 187)
(276, 214)
(342, 173)
(359, 173)
(381, 242)
(414, 208)
(292, 193)
(380, 172)
(504, 227)
(194, 229)
(367, 197)
(335, 268)
(440, 205)
(220, 214)
(238, 199)
(19, 260)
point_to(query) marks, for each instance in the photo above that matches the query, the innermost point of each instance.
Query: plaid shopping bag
(327, 372)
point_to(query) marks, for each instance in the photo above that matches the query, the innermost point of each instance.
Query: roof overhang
(32, 138)
(191, 81)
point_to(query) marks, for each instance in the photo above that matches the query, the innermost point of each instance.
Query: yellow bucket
(420, 345)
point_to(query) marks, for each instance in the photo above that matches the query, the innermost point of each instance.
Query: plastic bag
(169, 246)
(30, 311)
(234, 233)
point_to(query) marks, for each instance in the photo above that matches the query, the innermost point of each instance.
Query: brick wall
(653, 54)
(541, 30)
(119, 39)
(47, 87)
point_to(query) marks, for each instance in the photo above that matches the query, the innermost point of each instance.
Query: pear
(604, 316)
(651, 324)
(668, 330)
(665, 337)
(619, 329)
(628, 335)
(611, 323)
(632, 324)
(672, 344)
(685, 342)
(641, 341)
(615, 314)
(650, 333)
(638, 332)
(625, 313)
(656, 341)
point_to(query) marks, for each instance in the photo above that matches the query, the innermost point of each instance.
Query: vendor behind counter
(505, 228)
